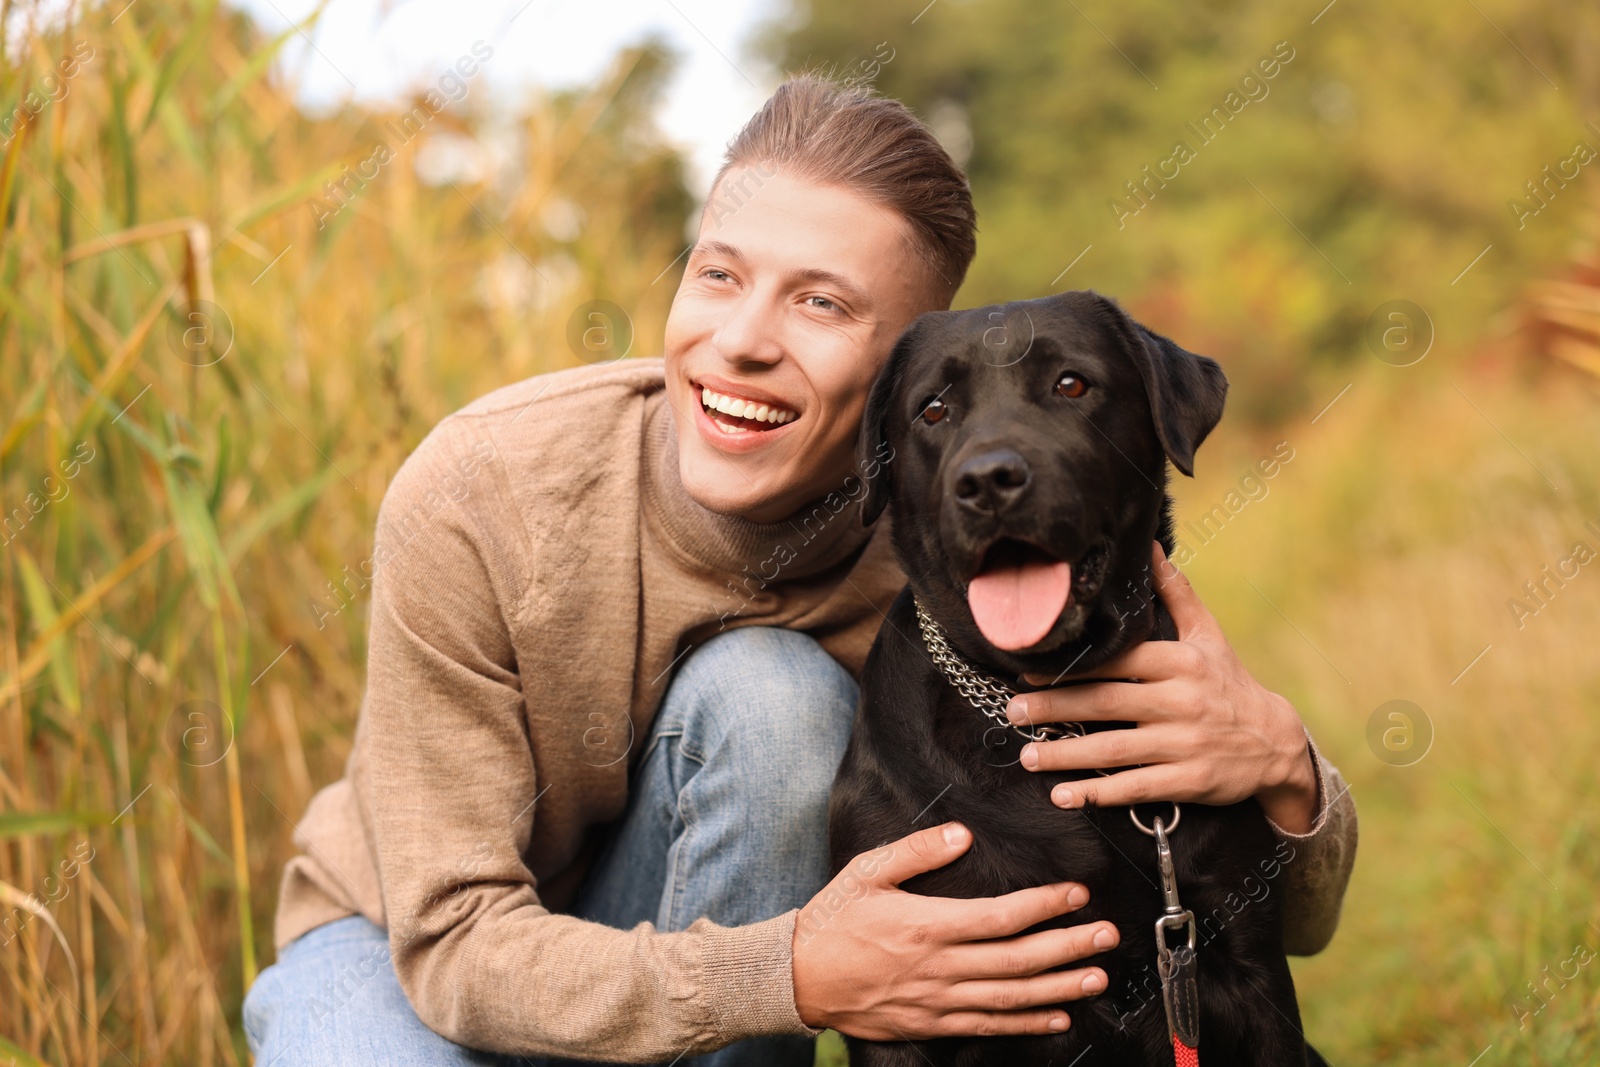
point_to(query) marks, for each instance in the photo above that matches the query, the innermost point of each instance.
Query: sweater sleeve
(445, 790)
(1319, 868)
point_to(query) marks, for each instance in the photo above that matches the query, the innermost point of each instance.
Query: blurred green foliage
(1375, 165)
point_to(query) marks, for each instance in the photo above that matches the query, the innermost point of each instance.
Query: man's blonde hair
(836, 133)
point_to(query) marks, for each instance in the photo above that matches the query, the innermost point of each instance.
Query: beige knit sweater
(539, 572)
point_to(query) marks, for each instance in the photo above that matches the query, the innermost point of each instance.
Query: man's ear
(873, 453)
(1186, 390)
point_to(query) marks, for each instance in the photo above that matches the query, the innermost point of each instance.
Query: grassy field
(213, 364)
(1380, 568)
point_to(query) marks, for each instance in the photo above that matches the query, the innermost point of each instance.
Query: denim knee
(778, 686)
(770, 698)
(332, 1000)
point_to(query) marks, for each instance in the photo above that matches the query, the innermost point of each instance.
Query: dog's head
(1029, 445)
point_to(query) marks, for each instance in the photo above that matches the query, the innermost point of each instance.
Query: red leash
(1176, 966)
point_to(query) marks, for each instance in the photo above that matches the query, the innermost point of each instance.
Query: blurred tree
(1378, 159)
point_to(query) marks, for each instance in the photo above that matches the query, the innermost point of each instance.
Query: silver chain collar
(983, 692)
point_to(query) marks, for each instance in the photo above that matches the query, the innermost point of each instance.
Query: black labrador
(1025, 452)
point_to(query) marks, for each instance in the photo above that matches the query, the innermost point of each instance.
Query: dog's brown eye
(933, 410)
(1071, 385)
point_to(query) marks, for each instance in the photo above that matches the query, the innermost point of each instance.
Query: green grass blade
(42, 605)
(258, 64)
(279, 511)
(16, 1055)
(22, 823)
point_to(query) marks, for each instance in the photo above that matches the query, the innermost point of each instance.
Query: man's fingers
(1108, 748)
(1140, 785)
(1031, 954)
(1093, 702)
(985, 917)
(1018, 994)
(1182, 602)
(913, 854)
(1096, 702)
(1148, 661)
(1002, 1023)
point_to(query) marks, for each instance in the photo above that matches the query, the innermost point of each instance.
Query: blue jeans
(726, 818)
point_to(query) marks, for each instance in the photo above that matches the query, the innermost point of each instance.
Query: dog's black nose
(990, 481)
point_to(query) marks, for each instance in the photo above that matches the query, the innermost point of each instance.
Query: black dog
(1028, 479)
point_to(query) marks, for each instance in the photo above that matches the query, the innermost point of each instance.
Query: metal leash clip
(1176, 966)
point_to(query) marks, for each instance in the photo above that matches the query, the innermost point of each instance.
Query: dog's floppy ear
(874, 454)
(1186, 390)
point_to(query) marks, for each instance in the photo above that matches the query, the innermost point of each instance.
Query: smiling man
(617, 621)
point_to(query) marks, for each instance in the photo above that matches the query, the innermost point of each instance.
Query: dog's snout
(992, 480)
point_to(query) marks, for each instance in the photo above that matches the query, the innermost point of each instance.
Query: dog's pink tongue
(1016, 606)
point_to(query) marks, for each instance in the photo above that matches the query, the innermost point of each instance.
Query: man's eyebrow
(859, 297)
(716, 248)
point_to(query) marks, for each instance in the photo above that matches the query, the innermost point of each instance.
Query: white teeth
(745, 409)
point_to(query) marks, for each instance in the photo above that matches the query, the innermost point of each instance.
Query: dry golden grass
(183, 631)
(1391, 545)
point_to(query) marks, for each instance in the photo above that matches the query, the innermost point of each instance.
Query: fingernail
(1058, 1022)
(955, 834)
(1030, 757)
(1094, 983)
(1017, 709)
(1062, 796)
(1077, 896)
(1104, 939)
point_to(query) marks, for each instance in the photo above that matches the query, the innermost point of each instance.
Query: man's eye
(823, 302)
(1070, 385)
(933, 411)
(713, 272)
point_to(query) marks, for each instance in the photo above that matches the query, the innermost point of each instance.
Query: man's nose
(748, 332)
(992, 481)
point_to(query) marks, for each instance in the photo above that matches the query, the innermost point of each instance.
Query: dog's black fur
(1085, 479)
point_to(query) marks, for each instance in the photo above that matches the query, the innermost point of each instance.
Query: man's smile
(737, 410)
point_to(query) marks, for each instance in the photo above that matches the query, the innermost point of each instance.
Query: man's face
(790, 301)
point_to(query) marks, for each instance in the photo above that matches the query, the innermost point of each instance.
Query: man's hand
(1206, 730)
(876, 962)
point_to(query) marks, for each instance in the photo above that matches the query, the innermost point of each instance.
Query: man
(616, 625)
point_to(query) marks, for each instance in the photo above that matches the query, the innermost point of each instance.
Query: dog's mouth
(1020, 591)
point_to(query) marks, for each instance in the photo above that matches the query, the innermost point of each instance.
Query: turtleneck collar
(817, 537)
